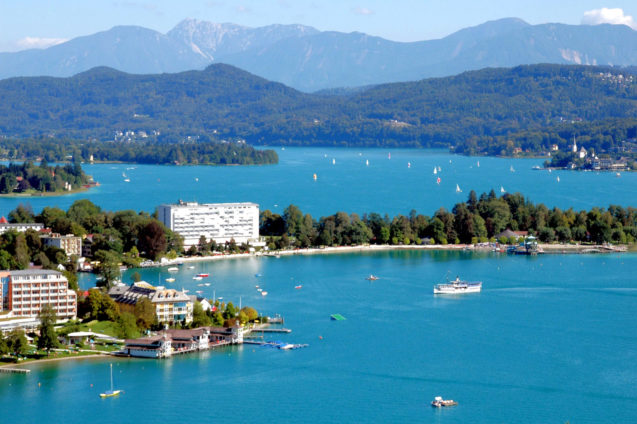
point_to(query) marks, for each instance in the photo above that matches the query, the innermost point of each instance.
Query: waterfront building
(171, 305)
(220, 222)
(28, 290)
(71, 244)
(21, 228)
(173, 341)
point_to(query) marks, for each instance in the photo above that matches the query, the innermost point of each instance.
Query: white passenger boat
(458, 286)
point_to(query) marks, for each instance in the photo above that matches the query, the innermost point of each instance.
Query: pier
(272, 330)
(14, 370)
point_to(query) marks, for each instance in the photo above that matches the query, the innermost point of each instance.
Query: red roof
(3, 220)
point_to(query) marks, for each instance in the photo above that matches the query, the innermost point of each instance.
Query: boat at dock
(458, 286)
(439, 402)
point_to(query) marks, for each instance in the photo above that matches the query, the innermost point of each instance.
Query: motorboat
(439, 402)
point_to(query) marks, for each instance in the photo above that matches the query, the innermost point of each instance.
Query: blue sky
(37, 23)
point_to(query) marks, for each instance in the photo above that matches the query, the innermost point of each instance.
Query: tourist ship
(458, 286)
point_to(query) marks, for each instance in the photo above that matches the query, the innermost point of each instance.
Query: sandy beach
(547, 248)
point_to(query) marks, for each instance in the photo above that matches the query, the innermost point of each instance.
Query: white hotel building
(215, 221)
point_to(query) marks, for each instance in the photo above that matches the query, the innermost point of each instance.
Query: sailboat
(435, 170)
(315, 177)
(408, 164)
(502, 190)
(458, 189)
(112, 392)
(478, 164)
(438, 180)
(333, 161)
(511, 169)
(558, 178)
(367, 162)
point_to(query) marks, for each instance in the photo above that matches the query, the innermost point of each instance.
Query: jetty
(14, 370)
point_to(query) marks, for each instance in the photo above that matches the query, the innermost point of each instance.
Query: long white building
(215, 221)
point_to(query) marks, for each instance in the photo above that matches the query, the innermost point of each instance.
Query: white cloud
(363, 11)
(243, 9)
(38, 42)
(608, 16)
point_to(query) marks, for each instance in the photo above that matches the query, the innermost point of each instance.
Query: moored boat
(439, 402)
(371, 277)
(458, 286)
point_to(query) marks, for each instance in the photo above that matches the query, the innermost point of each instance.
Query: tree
(145, 312)
(199, 316)
(250, 313)
(126, 326)
(48, 338)
(22, 214)
(152, 239)
(108, 269)
(17, 342)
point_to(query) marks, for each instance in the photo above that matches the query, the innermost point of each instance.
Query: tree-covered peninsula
(28, 178)
(195, 152)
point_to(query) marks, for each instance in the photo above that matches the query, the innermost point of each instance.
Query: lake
(550, 338)
(384, 186)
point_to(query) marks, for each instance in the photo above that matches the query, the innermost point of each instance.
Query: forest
(479, 219)
(490, 111)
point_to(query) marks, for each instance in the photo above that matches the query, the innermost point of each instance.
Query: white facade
(220, 222)
(29, 290)
(21, 228)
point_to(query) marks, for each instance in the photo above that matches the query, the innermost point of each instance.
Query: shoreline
(44, 194)
(547, 248)
(48, 360)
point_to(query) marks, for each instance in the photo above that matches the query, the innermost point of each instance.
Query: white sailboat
(511, 169)
(502, 190)
(367, 162)
(333, 161)
(558, 178)
(112, 392)
(408, 164)
(458, 189)
(478, 164)
(435, 170)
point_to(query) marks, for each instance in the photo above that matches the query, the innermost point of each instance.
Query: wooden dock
(14, 370)
(272, 330)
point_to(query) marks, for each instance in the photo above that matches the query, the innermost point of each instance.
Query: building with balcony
(220, 222)
(28, 290)
(171, 305)
(71, 244)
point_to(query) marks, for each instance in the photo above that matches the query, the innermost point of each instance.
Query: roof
(506, 233)
(33, 271)
(3, 220)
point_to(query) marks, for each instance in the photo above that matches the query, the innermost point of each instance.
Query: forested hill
(469, 112)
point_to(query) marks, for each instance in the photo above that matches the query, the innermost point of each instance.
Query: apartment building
(171, 305)
(220, 222)
(71, 244)
(28, 290)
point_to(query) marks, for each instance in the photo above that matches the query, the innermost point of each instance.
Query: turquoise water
(550, 339)
(385, 186)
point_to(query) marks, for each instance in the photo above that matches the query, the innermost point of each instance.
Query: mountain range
(307, 59)
(470, 112)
